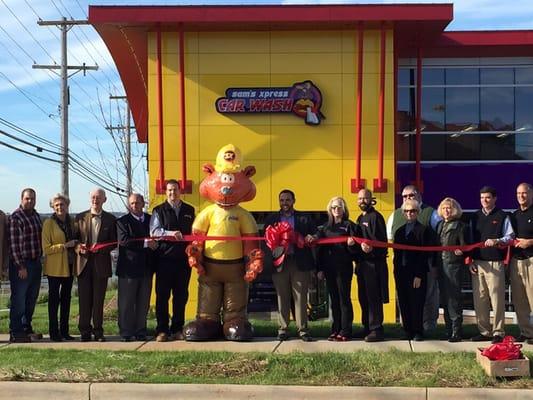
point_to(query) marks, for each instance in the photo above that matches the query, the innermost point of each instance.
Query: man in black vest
(522, 262)
(294, 276)
(492, 226)
(134, 270)
(372, 270)
(171, 218)
(429, 217)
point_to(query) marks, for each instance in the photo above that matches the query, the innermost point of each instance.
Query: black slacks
(411, 300)
(339, 284)
(370, 294)
(172, 277)
(59, 295)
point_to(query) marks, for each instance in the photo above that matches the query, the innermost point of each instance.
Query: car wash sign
(302, 99)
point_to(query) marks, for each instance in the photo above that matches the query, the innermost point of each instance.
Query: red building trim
(160, 183)
(380, 184)
(186, 186)
(418, 137)
(357, 183)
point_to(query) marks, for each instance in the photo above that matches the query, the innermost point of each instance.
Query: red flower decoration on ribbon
(278, 237)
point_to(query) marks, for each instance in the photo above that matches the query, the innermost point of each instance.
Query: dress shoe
(282, 336)
(333, 336)
(127, 339)
(86, 337)
(176, 336)
(497, 339)
(454, 338)
(418, 337)
(141, 338)
(56, 337)
(481, 338)
(35, 336)
(308, 338)
(375, 336)
(100, 338)
(66, 336)
(339, 338)
(20, 339)
(161, 337)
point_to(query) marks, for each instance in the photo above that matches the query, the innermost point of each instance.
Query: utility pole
(64, 26)
(127, 134)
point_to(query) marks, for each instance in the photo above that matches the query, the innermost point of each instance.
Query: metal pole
(64, 109)
(128, 148)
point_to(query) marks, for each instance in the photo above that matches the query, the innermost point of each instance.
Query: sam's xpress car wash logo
(302, 99)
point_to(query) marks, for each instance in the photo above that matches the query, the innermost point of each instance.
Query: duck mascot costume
(224, 266)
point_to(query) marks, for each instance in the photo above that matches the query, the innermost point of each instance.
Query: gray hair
(59, 196)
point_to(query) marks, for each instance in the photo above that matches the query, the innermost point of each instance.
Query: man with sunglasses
(429, 217)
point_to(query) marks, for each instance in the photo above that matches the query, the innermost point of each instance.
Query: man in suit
(292, 279)
(93, 267)
(134, 270)
(172, 218)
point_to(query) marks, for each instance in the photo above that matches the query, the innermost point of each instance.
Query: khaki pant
(522, 293)
(489, 288)
(291, 282)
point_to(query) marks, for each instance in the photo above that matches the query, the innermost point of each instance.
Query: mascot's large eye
(227, 178)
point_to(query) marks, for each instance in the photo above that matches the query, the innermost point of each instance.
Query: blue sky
(29, 98)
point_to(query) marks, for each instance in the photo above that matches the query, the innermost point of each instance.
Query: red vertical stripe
(381, 112)
(161, 184)
(182, 110)
(359, 109)
(418, 144)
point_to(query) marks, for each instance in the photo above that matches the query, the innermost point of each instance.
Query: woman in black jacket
(335, 263)
(451, 232)
(410, 271)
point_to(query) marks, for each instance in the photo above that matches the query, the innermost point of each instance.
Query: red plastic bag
(506, 350)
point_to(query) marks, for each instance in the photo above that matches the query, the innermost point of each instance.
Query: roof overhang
(124, 30)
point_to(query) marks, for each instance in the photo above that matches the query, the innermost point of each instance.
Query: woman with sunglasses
(335, 263)
(410, 270)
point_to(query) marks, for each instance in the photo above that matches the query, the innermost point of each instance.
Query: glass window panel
(462, 109)
(432, 76)
(463, 147)
(433, 108)
(462, 76)
(524, 109)
(497, 148)
(524, 145)
(405, 147)
(495, 76)
(406, 109)
(497, 109)
(406, 76)
(433, 147)
(524, 75)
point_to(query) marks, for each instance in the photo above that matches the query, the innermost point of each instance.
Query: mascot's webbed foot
(202, 329)
(238, 330)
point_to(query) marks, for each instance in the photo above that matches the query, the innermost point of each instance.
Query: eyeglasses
(410, 211)
(336, 207)
(409, 196)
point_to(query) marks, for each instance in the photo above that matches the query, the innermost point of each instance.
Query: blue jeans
(24, 293)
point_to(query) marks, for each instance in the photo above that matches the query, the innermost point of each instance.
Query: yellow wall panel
(234, 42)
(306, 42)
(250, 63)
(306, 63)
(307, 178)
(254, 141)
(305, 142)
(172, 143)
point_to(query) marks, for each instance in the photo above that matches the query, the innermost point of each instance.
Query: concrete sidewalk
(261, 344)
(134, 391)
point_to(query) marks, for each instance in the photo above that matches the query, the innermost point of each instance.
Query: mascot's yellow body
(224, 266)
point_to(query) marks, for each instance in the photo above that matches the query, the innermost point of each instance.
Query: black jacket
(453, 233)
(134, 260)
(415, 262)
(171, 222)
(303, 225)
(337, 256)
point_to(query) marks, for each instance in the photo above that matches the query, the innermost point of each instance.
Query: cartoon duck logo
(307, 101)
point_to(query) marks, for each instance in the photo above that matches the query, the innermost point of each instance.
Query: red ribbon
(279, 236)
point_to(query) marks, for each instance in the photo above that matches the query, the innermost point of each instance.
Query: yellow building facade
(316, 162)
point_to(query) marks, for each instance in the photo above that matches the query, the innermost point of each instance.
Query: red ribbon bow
(505, 350)
(278, 237)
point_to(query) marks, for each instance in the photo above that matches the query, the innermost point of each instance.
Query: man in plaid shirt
(25, 267)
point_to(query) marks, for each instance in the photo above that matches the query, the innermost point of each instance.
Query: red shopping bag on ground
(505, 350)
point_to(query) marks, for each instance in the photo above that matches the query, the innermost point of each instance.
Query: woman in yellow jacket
(58, 246)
